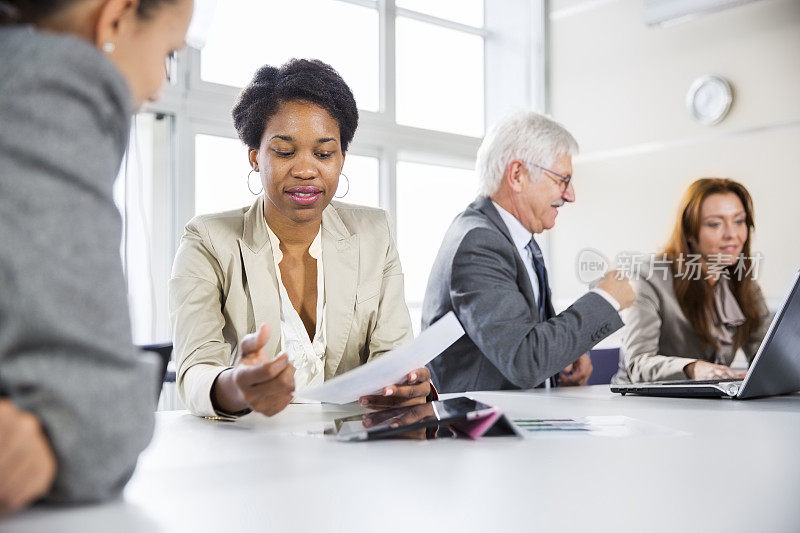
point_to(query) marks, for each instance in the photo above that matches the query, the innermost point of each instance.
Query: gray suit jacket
(659, 341)
(479, 275)
(65, 341)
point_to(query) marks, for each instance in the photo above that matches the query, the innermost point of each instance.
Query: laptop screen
(776, 367)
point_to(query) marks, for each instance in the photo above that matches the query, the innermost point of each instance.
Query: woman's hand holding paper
(414, 390)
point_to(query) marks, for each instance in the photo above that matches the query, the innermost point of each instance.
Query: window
(469, 12)
(142, 193)
(362, 176)
(247, 34)
(221, 174)
(427, 76)
(439, 78)
(428, 198)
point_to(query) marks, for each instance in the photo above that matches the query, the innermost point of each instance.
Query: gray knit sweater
(65, 342)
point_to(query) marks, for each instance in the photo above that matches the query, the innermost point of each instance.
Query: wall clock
(709, 99)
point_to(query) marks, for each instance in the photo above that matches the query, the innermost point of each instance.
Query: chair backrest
(605, 362)
(164, 351)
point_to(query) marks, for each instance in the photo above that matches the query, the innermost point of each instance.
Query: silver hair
(521, 135)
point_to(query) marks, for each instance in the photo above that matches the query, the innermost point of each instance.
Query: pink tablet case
(480, 425)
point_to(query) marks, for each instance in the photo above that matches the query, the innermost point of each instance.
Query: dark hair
(308, 80)
(33, 11)
(695, 296)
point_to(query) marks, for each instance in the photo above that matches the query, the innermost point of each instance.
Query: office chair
(164, 351)
(605, 362)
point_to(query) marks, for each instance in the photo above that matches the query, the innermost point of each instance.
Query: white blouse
(307, 356)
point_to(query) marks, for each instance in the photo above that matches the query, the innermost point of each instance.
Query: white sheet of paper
(390, 368)
(590, 426)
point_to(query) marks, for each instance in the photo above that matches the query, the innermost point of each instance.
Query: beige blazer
(659, 340)
(224, 285)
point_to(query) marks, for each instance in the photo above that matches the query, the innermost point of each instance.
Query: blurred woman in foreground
(76, 402)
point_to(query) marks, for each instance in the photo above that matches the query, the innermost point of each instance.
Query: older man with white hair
(490, 272)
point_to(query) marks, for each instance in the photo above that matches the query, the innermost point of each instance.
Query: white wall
(620, 87)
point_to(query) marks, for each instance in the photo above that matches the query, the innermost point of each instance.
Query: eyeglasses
(563, 181)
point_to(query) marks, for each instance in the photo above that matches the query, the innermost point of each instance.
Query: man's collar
(519, 233)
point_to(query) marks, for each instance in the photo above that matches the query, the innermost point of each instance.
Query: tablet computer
(467, 416)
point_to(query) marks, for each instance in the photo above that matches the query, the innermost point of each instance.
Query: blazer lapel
(340, 263)
(262, 281)
(486, 207)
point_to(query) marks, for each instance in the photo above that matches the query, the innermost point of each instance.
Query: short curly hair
(308, 80)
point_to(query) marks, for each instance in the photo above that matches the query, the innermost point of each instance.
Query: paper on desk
(390, 368)
(594, 426)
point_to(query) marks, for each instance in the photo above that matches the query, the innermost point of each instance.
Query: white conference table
(724, 466)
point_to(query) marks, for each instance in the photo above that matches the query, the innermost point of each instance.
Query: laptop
(775, 368)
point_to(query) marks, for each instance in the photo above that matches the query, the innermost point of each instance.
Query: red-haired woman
(699, 303)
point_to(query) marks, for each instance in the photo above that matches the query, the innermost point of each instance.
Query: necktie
(544, 302)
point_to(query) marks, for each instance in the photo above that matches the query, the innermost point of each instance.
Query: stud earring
(109, 47)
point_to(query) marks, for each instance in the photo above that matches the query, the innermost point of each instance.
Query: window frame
(514, 41)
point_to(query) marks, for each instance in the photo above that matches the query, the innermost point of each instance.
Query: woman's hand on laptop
(413, 390)
(703, 370)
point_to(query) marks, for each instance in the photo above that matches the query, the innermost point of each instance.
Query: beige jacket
(224, 285)
(659, 341)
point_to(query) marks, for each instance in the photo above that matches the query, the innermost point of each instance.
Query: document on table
(389, 368)
(595, 426)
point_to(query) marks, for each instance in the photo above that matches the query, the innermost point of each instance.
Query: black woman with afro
(276, 297)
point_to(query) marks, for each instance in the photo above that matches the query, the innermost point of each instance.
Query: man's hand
(27, 463)
(577, 373)
(702, 370)
(615, 284)
(413, 390)
(256, 383)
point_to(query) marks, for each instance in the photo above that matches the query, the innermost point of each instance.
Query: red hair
(696, 296)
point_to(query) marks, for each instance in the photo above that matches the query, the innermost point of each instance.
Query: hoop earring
(250, 188)
(348, 186)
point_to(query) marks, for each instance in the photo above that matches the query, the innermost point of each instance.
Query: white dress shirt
(521, 237)
(307, 356)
